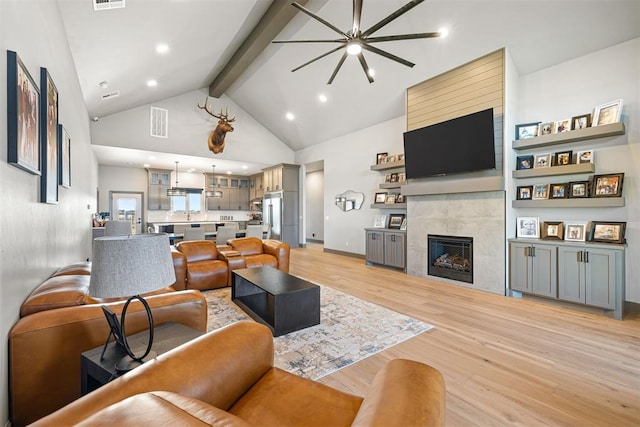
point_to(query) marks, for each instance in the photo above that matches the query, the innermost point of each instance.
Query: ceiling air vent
(159, 122)
(107, 4)
(112, 94)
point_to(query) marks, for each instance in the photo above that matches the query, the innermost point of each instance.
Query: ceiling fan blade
(365, 67)
(387, 55)
(335, 72)
(402, 37)
(357, 14)
(407, 7)
(319, 57)
(317, 18)
(310, 41)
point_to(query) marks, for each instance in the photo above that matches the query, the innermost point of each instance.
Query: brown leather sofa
(59, 321)
(227, 378)
(204, 268)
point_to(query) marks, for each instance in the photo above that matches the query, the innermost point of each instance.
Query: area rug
(350, 330)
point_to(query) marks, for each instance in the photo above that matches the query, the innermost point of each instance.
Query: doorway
(314, 200)
(127, 206)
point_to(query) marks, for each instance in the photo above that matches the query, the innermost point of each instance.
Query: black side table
(95, 372)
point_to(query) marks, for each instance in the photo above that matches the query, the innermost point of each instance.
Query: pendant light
(176, 191)
(212, 192)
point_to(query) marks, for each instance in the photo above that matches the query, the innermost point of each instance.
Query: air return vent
(159, 122)
(107, 4)
(112, 94)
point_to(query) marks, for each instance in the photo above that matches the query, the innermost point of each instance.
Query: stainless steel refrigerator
(280, 211)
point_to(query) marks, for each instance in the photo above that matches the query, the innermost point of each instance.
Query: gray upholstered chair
(225, 233)
(254, 231)
(117, 228)
(194, 233)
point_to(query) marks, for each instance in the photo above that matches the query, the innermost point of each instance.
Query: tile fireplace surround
(478, 215)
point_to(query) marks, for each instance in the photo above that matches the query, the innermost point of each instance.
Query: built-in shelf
(594, 132)
(555, 170)
(450, 186)
(392, 185)
(595, 202)
(388, 206)
(386, 166)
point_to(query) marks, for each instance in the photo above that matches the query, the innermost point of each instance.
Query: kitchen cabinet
(159, 181)
(234, 190)
(281, 177)
(386, 247)
(586, 273)
(256, 189)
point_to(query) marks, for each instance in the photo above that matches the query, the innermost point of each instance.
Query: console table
(96, 372)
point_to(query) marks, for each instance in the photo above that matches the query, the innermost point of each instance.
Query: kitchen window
(191, 203)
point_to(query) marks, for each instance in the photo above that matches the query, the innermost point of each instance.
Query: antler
(221, 116)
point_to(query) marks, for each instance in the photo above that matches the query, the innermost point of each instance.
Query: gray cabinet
(386, 247)
(584, 273)
(158, 184)
(234, 192)
(281, 177)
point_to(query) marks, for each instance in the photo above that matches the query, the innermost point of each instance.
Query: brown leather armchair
(204, 269)
(227, 378)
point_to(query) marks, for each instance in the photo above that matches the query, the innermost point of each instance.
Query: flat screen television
(463, 144)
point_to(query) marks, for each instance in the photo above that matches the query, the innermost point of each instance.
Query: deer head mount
(216, 137)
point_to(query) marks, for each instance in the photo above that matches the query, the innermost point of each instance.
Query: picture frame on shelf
(394, 177)
(552, 230)
(584, 156)
(524, 192)
(400, 198)
(64, 157)
(391, 158)
(395, 221)
(402, 177)
(581, 122)
(403, 226)
(387, 178)
(540, 192)
(527, 227)
(23, 117)
(607, 232)
(607, 185)
(49, 138)
(379, 197)
(524, 162)
(380, 221)
(546, 128)
(390, 199)
(563, 125)
(608, 113)
(542, 160)
(527, 130)
(381, 158)
(562, 158)
(558, 191)
(578, 189)
(400, 157)
(575, 231)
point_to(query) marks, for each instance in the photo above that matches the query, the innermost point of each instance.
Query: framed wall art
(546, 128)
(540, 192)
(524, 192)
(524, 162)
(379, 198)
(380, 221)
(609, 185)
(527, 130)
(395, 220)
(563, 125)
(49, 138)
(64, 157)
(552, 230)
(585, 156)
(400, 198)
(608, 113)
(23, 116)
(558, 191)
(562, 158)
(542, 160)
(578, 189)
(527, 227)
(575, 231)
(381, 158)
(580, 122)
(389, 199)
(607, 232)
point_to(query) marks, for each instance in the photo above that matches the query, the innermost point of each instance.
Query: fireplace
(450, 257)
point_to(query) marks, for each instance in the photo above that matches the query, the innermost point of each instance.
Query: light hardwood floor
(506, 361)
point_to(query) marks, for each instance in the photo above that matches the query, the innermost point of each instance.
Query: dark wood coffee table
(283, 302)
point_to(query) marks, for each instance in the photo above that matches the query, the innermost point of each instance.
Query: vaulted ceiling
(118, 47)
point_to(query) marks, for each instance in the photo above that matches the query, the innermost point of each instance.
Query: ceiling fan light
(371, 72)
(354, 48)
(444, 32)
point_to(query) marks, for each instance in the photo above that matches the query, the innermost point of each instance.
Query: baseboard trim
(631, 307)
(350, 254)
(315, 241)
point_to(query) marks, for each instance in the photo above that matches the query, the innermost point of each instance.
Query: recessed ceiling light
(103, 84)
(162, 48)
(322, 97)
(152, 157)
(444, 32)
(152, 83)
(229, 172)
(245, 167)
(147, 165)
(290, 116)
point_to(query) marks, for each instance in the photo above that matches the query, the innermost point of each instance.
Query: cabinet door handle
(533, 251)
(579, 256)
(393, 238)
(586, 256)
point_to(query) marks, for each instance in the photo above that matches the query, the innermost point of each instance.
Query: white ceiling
(118, 46)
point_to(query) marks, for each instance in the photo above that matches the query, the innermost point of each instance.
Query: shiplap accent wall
(469, 88)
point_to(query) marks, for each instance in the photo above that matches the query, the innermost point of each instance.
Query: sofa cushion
(261, 260)
(198, 250)
(208, 274)
(57, 292)
(159, 408)
(247, 245)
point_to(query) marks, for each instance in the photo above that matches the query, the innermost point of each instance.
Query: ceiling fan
(355, 40)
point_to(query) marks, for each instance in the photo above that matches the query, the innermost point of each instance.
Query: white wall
(113, 178)
(347, 160)
(37, 238)
(189, 129)
(314, 197)
(574, 88)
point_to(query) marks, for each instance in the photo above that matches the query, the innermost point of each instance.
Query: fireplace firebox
(450, 257)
